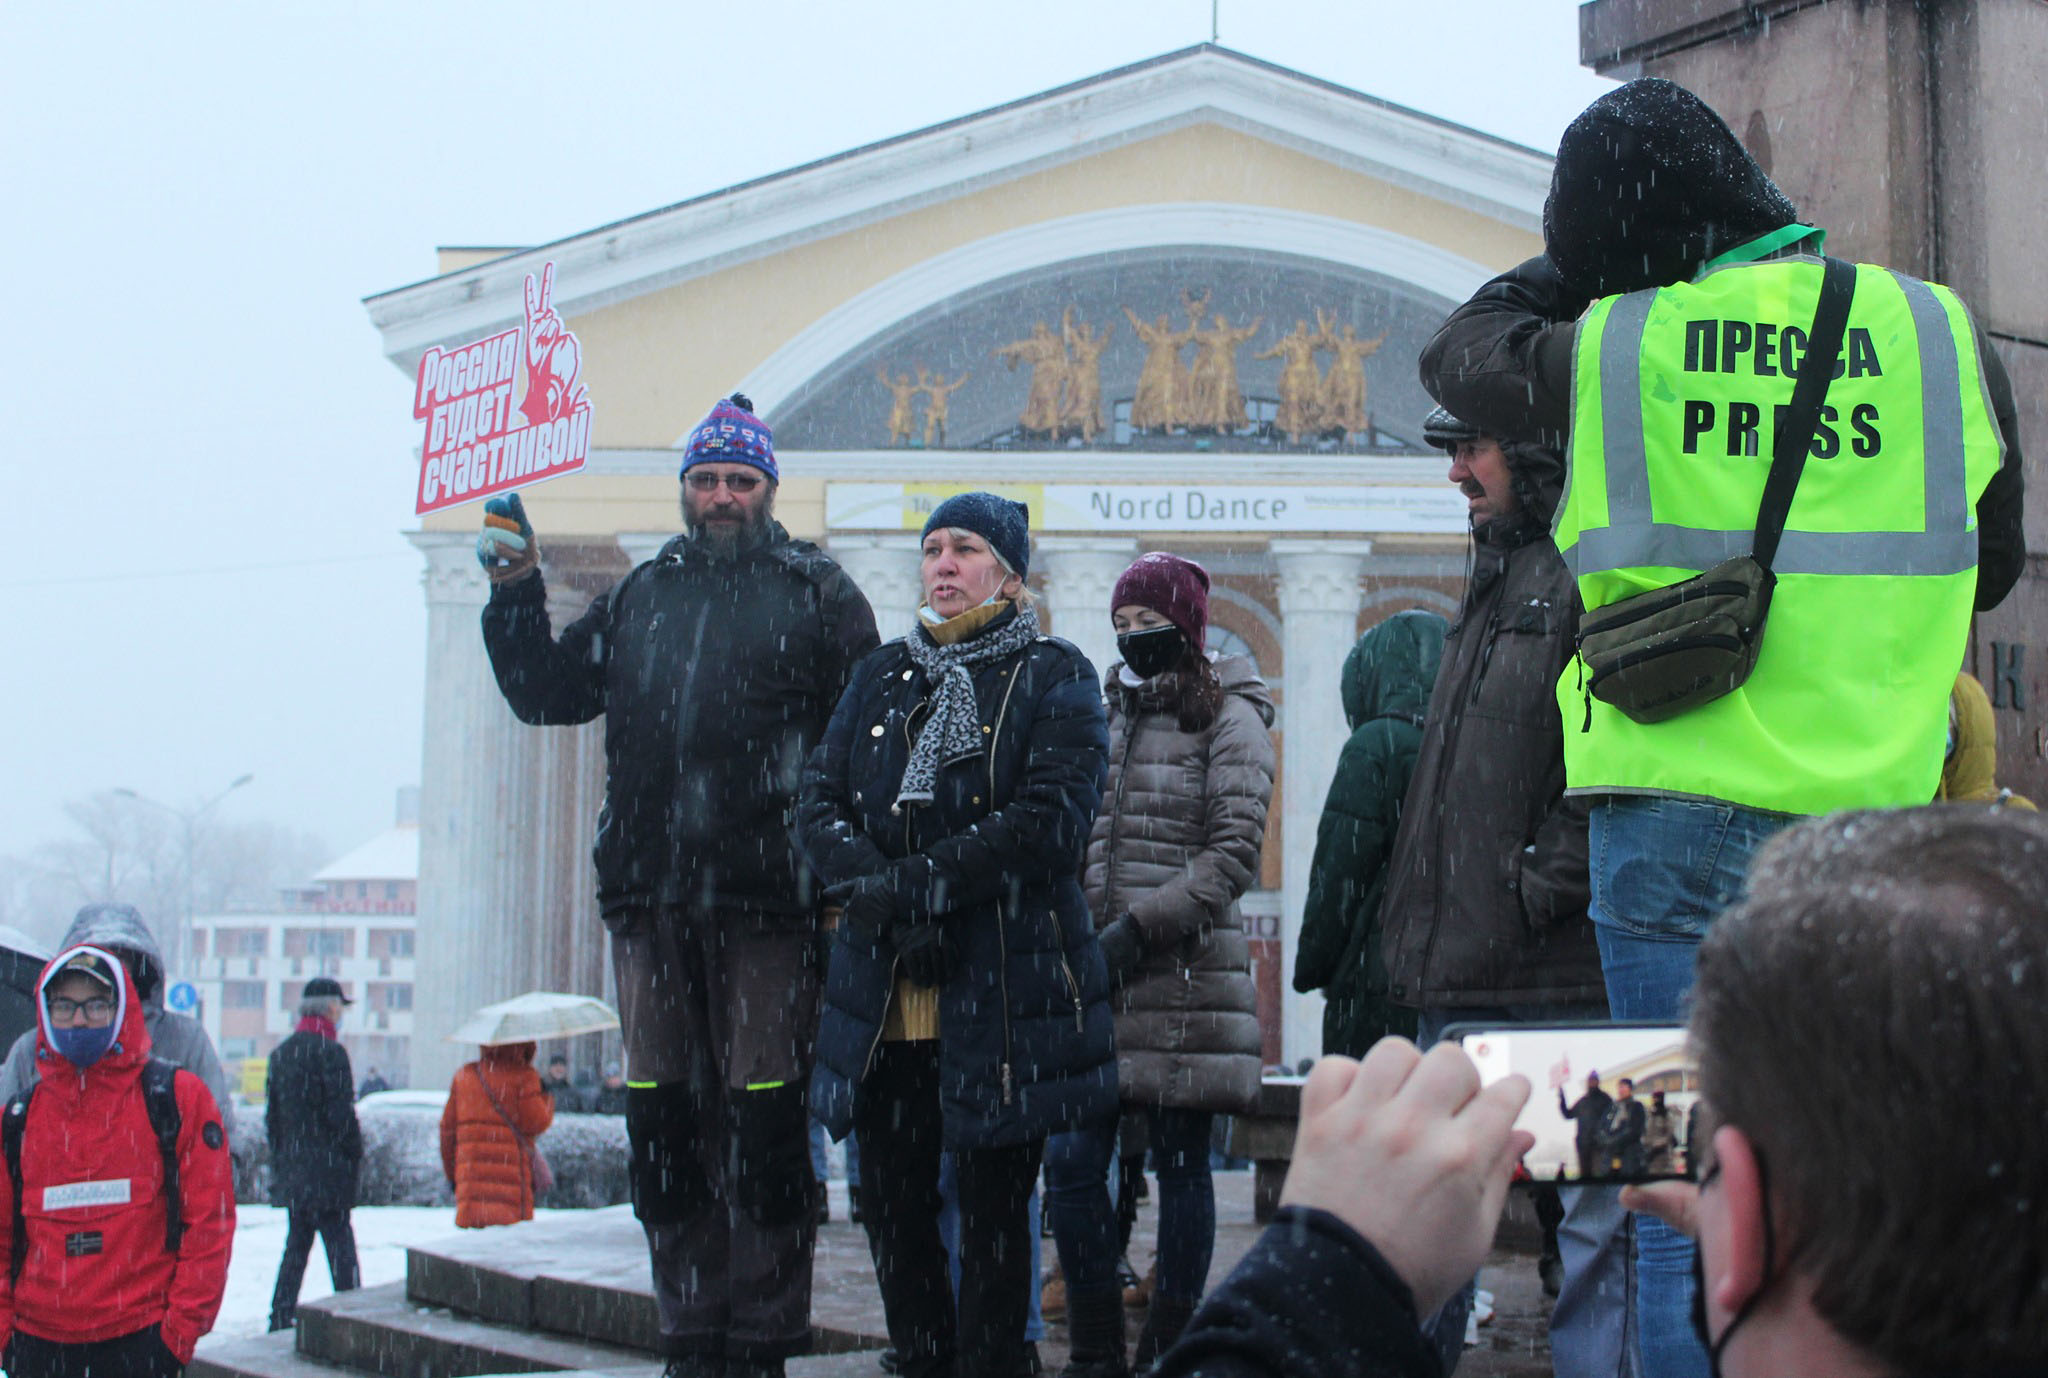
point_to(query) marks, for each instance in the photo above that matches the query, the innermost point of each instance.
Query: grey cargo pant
(719, 1010)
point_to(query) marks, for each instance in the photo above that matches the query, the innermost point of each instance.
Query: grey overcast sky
(206, 462)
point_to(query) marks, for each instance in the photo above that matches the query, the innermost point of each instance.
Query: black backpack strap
(12, 1122)
(160, 1097)
(1793, 437)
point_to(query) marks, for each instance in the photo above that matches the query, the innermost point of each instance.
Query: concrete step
(270, 1356)
(377, 1330)
(587, 1276)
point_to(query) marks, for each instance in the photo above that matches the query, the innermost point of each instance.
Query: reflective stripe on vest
(1848, 703)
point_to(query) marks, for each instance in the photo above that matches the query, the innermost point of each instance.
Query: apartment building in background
(354, 920)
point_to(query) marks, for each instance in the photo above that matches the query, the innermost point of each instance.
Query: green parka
(1387, 679)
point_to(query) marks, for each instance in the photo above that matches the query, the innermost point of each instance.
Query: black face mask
(1153, 651)
(1715, 1347)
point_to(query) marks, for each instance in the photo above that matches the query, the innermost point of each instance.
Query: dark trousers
(719, 1010)
(336, 1235)
(139, 1354)
(901, 1136)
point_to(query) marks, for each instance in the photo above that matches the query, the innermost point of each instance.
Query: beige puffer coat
(1176, 843)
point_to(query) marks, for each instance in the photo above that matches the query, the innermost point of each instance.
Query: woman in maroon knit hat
(1175, 845)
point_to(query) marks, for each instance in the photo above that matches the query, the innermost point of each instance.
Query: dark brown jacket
(1177, 841)
(1486, 892)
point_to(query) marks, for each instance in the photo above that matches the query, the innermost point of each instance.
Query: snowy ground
(382, 1234)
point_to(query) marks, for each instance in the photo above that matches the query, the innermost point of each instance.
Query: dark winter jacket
(1386, 685)
(1024, 1023)
(715, 677)
(1177, 841)
(1486, 893)
(177, 1038)
(316, 1146)
(1312, 1299)
(94, 1204)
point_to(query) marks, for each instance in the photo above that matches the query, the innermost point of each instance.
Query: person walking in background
(715, 666)
(178, 1039)
(1387, 679)
(1190, 776)
(372, 1083)
(114, 1249)
(316, 1146)
(1660, 1137)
(496, 1108)
(966, 1004)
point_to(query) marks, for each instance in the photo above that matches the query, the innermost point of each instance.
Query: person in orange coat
(496, 1109)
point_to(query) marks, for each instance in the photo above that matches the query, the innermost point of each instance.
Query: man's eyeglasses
(99, 1007)
(739, 483)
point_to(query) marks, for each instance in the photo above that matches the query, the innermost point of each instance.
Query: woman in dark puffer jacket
(1176, 844)
(966, 1006)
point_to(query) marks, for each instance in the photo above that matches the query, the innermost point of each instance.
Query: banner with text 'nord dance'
(502, 412)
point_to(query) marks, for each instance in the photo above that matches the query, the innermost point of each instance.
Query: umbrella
(536, 1015)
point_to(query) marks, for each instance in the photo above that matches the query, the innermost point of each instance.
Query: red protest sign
(481, 440)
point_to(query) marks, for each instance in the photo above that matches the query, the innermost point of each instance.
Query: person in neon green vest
(1654, 340)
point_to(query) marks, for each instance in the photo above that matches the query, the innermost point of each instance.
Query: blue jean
(819, 1167)
(1077, 1168)
(1662, 870)
(1579, 1325)
(949, 1230)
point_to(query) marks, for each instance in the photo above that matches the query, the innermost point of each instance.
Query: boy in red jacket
(106, 1266)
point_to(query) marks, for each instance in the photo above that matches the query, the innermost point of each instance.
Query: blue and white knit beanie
(732, 434)
(1004, 524)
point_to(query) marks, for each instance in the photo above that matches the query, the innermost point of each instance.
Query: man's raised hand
(507, 549)
(1410, 1152)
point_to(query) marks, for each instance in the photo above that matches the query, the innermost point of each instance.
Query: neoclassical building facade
(1174, 306)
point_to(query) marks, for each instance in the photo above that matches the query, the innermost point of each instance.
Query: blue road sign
(183, 997)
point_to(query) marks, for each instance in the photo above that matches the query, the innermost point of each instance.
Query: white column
(471, 742)
(1080, 573)
(1319, 599)
(884, 568)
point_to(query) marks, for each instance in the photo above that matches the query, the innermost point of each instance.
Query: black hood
(1649, 184)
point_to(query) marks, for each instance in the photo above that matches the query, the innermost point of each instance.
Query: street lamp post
(188, 819)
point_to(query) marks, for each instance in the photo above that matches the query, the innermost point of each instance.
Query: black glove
(868, 914)
(1123, 950)
(925, 952)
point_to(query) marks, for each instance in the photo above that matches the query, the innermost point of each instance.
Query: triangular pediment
(1207, 86)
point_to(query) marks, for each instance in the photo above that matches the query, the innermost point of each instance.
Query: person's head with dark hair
(1871, 1029)
(1649, 185)
(1625, 1089)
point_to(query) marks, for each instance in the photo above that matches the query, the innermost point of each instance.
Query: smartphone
(1608, 1103)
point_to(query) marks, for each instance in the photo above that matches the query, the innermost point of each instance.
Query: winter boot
(1095, 1327)
(1163, 1324)
(753, 1368)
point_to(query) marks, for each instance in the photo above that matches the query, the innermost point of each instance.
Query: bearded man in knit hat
(1664, 336)
(715, 666)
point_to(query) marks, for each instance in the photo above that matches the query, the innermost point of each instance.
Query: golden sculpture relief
(1083, 407)
(1344, 388)
(936, 390)
(1047, 356)
(1215, 401)
(1163, 382)
(902, 423)
(1301, 384)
